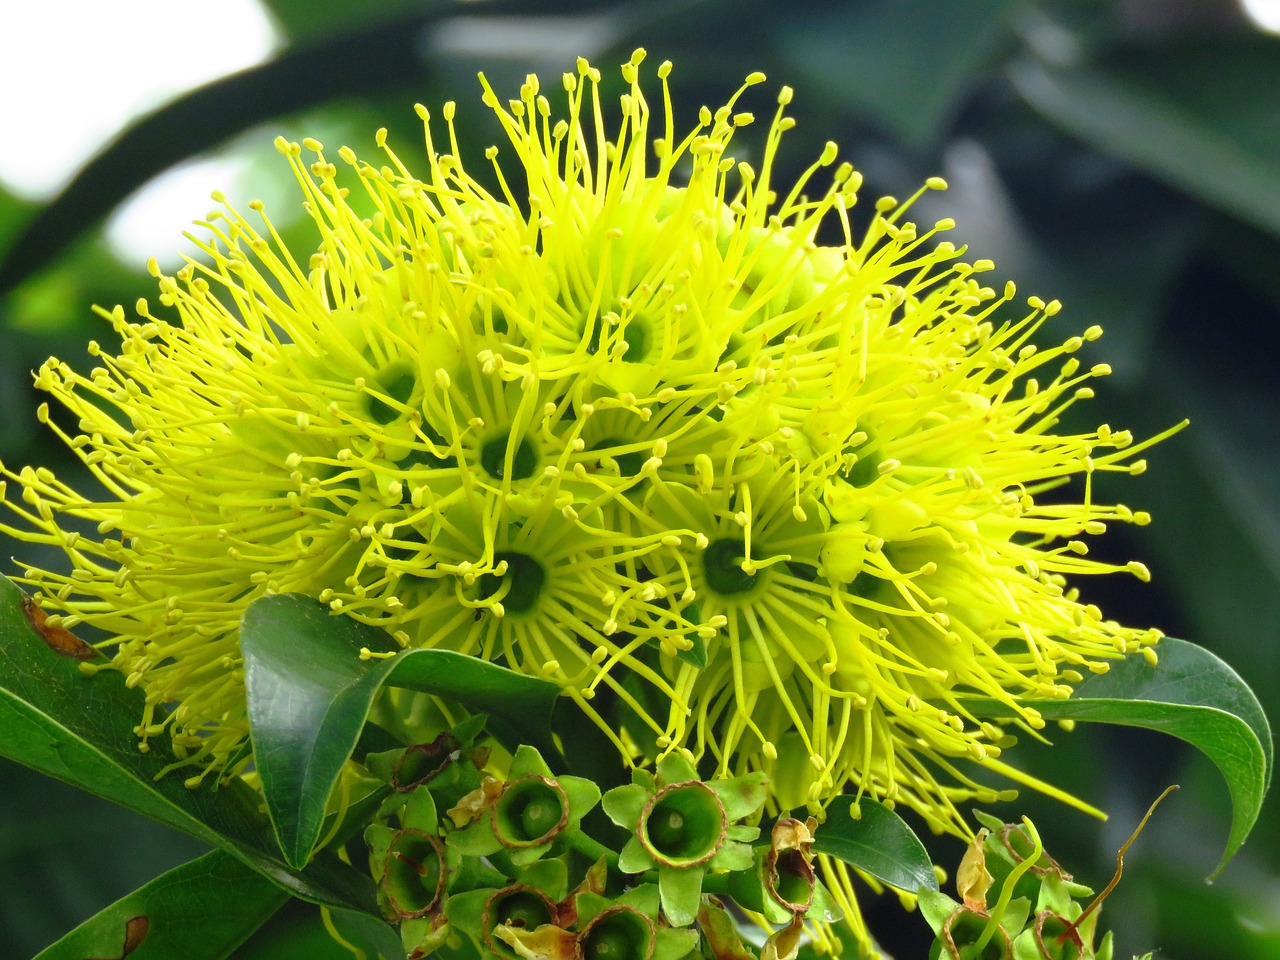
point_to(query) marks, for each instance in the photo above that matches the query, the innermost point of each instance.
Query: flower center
(493, 458)
(617, 933)
(524, 578)
(722, 564)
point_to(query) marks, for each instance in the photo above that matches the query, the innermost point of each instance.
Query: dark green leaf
(79, 729)
(201, 910)
(899, 64)
(309, 693)
(304, 20)
(1201, 116)
(878, 842)
(369, 933)
(1191, 695)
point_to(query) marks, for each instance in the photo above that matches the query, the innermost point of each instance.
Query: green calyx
(414, 873)
(531, 811)
(525, 815)
(428, 776)
(683, 825)
(1019, 874)
(423, 762)
(788, 867)
(962, 938)
(618, 933)
(1055, 938)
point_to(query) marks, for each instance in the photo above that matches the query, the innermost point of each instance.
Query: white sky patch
(151, 222)
(74, 72)
(1264, 13)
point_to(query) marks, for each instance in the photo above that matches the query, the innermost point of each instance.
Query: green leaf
(369, 933)
(1191, 695)
(309, 694)
(201, 910)
(1198, 115)
(878, 842)
(307, 20)
(80, 729)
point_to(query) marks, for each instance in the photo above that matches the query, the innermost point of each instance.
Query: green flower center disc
(722, 564)
(526, 577)
(493, 458)
(414, 879)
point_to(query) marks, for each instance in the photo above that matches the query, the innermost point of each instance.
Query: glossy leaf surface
(79, 729)
(201, 910)
(878, 842)
(1201, 117)
(310, 692)
(1191, 695)
(899, 68)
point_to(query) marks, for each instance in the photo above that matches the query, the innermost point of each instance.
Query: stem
(715, 883)
(1006, 889)
(592, 849)
(1074, 926)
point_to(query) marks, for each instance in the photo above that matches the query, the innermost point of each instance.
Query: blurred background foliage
(1120, 155)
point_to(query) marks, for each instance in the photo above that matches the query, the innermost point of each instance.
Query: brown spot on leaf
(135, 931)
(57, 637)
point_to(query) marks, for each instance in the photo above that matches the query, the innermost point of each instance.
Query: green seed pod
(520, 906)
(413, 873)
(532, 810)
(963, 930)
(683, 824)
(618, 933)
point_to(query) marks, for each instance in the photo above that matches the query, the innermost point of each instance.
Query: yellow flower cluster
(621, 420)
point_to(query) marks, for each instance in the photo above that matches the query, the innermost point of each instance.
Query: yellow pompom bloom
(621, 421)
